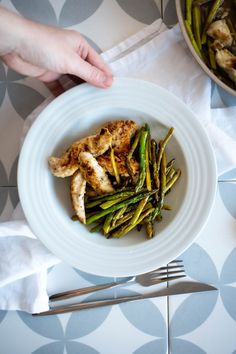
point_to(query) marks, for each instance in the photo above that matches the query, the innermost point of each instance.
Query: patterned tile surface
(191, 324)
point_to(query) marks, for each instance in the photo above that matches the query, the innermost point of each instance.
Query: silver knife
(175, 289)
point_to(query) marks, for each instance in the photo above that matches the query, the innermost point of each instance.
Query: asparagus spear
(118, 215)
(107, 224)
(214, 8)
(189, 11)
(173, 180)
(154, 163)
(148, 175)
(162, 146)
(124, 230)
(197, 25)
(118, 206)
(139, 210)
(131, 152)
(192, 39)
(142, 159)
(121, 194)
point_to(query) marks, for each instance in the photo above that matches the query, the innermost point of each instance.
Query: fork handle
(77, 292)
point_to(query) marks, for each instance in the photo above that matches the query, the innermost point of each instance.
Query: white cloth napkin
(155, 54)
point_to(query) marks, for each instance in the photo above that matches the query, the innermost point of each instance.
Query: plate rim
(120, 80)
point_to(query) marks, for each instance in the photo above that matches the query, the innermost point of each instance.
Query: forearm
(13, 29)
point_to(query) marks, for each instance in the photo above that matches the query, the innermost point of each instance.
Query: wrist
(13, 29)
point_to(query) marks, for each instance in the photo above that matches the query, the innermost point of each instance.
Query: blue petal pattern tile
(48, 326)
(82, 323)
(52, 348)
(143, 11)
(75, 347)
(228, 295)
(228, 99)
(170, 16)
(92, 278)
(157, 346)
(180, 346)
(226, 192)
(13, 173)
(3, 175)
(18, 93)
(137, 313)
(3, 198)
(2, 315)
(228, 274)
(196, 261)
(77, 11)
(14, 196)
(40, 11)
(192, 313)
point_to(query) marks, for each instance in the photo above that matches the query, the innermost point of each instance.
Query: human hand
(45, 52)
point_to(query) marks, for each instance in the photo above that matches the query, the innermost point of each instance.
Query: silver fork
(174, 270)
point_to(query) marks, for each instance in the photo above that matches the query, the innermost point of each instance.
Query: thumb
(90, 73)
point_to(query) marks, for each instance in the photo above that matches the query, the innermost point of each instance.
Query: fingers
(96, 60)
(89, 72)
(15, 62)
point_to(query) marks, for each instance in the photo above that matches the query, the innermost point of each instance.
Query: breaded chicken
(94, 174)
(77, 191)
(105, 162)
(67, 164)
(122, 132)
(220, 32)
(227, 61)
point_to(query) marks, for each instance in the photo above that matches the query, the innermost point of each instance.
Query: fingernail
(108, 81)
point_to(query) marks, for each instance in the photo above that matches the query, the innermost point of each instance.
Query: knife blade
(184, 287)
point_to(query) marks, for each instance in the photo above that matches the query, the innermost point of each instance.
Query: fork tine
(170, 267)
(176, 261)
(162, 280)
(161, 275)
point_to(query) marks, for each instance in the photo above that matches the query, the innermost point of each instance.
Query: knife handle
(89, 305)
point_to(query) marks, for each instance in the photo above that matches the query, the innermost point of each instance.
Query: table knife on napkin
(176, 289)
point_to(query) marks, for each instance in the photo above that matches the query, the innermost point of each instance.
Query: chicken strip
(67, 164)
(227, 61)
(77, 191)
(105, 162)
(220, 32)
(122, 132)
(94, 174)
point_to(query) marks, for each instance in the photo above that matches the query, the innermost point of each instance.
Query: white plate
(46, 200)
